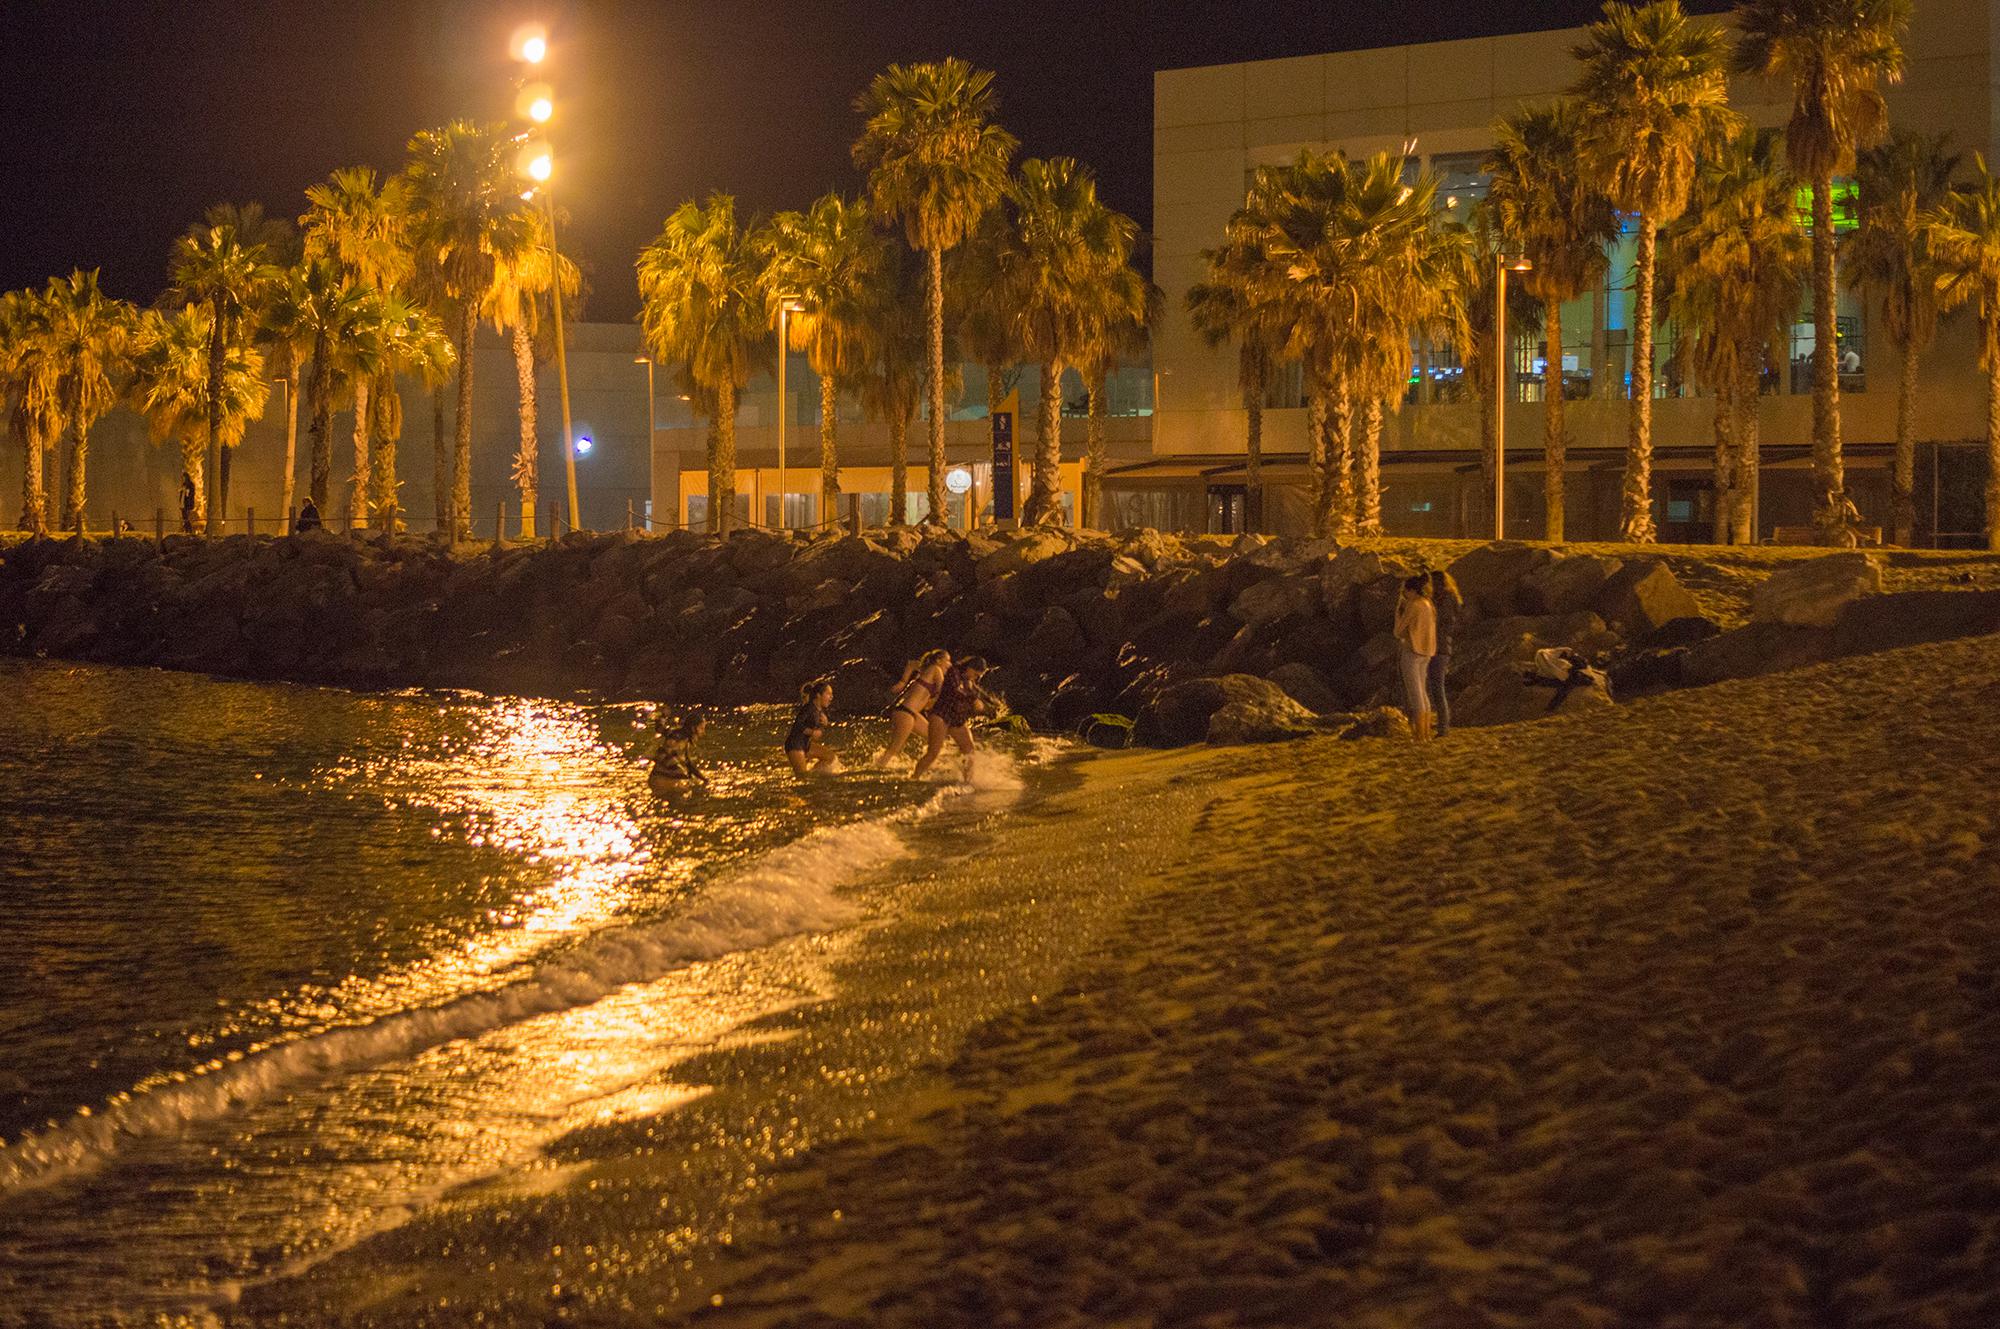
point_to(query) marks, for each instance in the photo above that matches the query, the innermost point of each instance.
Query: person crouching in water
(802, 746)
(916, 691)
(674, 771)
(958, 700)
(1416, 643)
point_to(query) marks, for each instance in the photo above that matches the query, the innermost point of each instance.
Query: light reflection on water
(196, 873)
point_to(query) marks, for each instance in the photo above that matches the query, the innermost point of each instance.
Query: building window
(1462, 182)
(1851, 330)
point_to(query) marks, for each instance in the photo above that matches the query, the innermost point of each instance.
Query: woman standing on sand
(1447, 604)
(802, 746)
(1416, 644)
(915, 692)
(959, 699)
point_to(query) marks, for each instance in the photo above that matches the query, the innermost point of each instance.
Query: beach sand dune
(1686, 1013)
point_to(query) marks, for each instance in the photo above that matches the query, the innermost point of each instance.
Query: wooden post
(250, 522)
(114, 523)
(628, 514)
(500, 521)
(160, 525)
(291, 521)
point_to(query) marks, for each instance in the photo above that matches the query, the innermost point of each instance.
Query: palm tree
(828, 262)
(702, 311)
(1554, 216)
(1483, 248)
(936, 162)
(172, 379)
(892, 385)
(1964, 239)
(1654, 92)
(467, 216)
(1836, 54)
(1734, 265)
(519, 305)
(225, 262)
(1224, 308)
(1900, 182)
(413, 343)
(286, 327)
(89, 338)
(1118, 306)
(28, 393)
(987, 327)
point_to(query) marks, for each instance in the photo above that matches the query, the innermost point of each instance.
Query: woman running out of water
(675, 772)
(802, 746)
(958, 700)
(915, 693)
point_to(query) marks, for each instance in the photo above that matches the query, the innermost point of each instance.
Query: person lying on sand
(675, 772)
(915, 692)
(802, 746)
(959, 699)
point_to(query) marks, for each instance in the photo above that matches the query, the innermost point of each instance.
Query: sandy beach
(1685, 1013)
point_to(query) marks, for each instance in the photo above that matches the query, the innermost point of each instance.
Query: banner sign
(1003, 458)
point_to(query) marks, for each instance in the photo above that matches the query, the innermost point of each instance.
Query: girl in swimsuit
(958, 700)
(802, 746)
(915, 693)
(674, 770)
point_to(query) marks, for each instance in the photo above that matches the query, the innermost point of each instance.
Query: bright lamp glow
(541, 166)
(534, 47)
(540, 109)
(583, 445)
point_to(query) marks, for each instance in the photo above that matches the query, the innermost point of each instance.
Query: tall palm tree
(413, 344)
(519, 305)
(172, 383)
(226, 261)
(89, 338)
(937, 163)
(986, 327)
(1900, 182)
(892, 385)
(1836, 54)
(1964, 238)
(29, 395)
(702, 310)
(1225, 308)
(467, 216)
(1118, 306)
(1734, 265)
(1654, 91)
(286, 327)
(828, 262)
(1554, 215)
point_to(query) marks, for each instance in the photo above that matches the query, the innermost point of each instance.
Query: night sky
(123, 119)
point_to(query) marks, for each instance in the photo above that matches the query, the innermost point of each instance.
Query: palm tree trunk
(217, 342)
(1316, 454)
(224, 459)
(1555, 447)
(935, 366)
(829, 449)
(1369, 520)
(1637, 520)
(461, 455)
(1743, 502)
(34, 507)
(1339, 449)
(1725, 460)
(899, 466)
(193, 457)
(440, 464)
(1093, 466)
(527, 460)
(74, 471)
(1991, 303)
(1489, 447)
(1045, 482)
(722, 463)
(1253, 439)
(1903, 480)
(357, 486)
(291, 434)
(386, 501)
(319, 388)
(1828, 475)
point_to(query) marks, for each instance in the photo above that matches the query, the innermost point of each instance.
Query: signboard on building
(1003, 458)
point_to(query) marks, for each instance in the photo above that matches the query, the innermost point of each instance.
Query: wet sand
(1685, 1013)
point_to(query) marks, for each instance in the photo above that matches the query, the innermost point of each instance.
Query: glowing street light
(584, 445)
(540, 109)
(536, 102)
(1503, 264)
(787, 306)
(541, 165)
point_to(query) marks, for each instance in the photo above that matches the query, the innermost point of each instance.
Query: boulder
(1376, 722)
(1275, 598)
(1254, 722)
(1490, 576)
(1506, 693)
(1023, 551)
(1056, 645)
(1909, 618)
(1123, 572)
(1179, 713)
(1567, 585)
(1760, 648)
(1302, 683)
(1681, 632)
(1644, 596)
(1811, 593)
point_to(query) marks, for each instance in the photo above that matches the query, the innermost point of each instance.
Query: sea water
(281, 966)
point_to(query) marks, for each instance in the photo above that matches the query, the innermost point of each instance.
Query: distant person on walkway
(959, 699)
(915, 692)
(802, 746)
(187, 503)
(1416, 643)
(1448, 605)
(308, 519)
(675, 772)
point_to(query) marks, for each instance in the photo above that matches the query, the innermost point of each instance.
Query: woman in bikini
(674, 773)
(802, 746)
(916, 690)
(958, 700)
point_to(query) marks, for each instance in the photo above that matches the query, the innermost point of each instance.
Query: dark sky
(120, 120)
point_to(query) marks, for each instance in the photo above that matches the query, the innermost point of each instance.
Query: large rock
(1303, 684)
(1567, 585)
(1180, 713)
(1644, 596)
(1275, 598)
(1507, 693)
(1910, 618)
(1760, 648)
(1490, 576)
(1023, 551)
(1811, 594)
(1341, 575)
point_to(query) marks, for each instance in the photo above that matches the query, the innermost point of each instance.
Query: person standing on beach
(951, 717)
(1447, 604)
(1416, 644)
(915, 693)
(187, 503)
(802, 746)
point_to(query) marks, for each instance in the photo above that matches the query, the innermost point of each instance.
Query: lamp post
(1502, 265)
(538, 102)
(787, 305)
(652, 421)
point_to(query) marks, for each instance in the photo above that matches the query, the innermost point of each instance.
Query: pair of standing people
(1426, 621)
(942, 697)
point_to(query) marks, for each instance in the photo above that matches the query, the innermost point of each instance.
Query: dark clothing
(958, 699)
(807, 726)
(187, 503)
(674, 760)
(1440, 665)
(308, 518)
(912, 706)
(1449, 610)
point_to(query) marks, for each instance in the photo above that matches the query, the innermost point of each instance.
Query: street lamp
(653, 431)
(787, 306)
(537, 102)
(1502, 265)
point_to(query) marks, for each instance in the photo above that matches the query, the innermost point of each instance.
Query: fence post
(628, 514)
(500, 522)
(160, 525)
(291, 521)
(250, 522)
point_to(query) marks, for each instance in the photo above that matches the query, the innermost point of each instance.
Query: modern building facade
(1437, 102)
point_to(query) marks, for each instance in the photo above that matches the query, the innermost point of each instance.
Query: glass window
(1462, 182)
(1851, 330)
